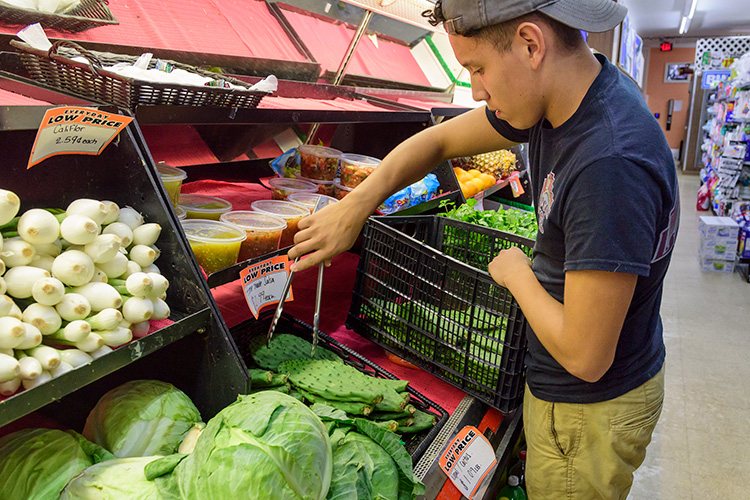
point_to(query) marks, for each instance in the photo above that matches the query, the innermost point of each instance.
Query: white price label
(263, 283)
(468, 460)
(75, 130)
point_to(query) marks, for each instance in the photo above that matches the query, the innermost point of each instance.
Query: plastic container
(339, 190)
(172, 178)
(318, 162)
(309, 200)
(263, 232)
(215, 244)
(181, 212)
(356, 168)
(282, 187)
(322, 187)
(290, 212)
(199, 206)
(420, 293)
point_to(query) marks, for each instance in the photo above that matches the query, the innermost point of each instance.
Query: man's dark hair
(501, 34)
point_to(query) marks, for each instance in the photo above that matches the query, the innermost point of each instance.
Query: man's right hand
(326, 233)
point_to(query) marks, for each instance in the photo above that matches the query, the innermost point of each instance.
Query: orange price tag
(515, 185)
(69, 130)
(263, 283)
(467, 460)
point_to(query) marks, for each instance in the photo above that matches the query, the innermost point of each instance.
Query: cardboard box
(716, 265)
(718, 229)
(718, 249)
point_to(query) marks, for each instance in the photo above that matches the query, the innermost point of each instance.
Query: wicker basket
(86, 15)
(91, 80)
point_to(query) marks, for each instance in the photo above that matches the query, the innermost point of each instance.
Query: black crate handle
(94, 63)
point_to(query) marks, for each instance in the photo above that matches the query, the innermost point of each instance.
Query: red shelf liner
(8, 98)
(328, 40)
(337, 104)
(226, 27)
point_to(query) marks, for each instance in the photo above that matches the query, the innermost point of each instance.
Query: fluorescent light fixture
(693, 5)
(684, 25)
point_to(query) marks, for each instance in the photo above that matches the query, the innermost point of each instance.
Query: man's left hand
(507, 264)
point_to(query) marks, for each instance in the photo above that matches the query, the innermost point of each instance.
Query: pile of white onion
(73, 286)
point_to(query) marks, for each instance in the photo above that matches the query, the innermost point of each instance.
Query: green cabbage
(118, 479)
(264, 445)
(38, 463)
(141, 418)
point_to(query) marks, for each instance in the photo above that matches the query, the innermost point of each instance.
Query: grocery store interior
(158, 157)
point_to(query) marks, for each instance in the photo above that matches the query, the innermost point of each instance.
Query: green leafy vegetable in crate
(514, 221)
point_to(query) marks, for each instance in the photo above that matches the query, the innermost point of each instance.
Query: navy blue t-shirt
(605, 191)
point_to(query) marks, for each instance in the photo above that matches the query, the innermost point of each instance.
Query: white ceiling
(661, 18)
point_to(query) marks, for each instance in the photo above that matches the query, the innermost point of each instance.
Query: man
(605, 193)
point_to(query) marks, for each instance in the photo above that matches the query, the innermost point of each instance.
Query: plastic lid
(316, 182)
(365, 161)
(169, 172)
(522, 454)
(211, 231)
(289, 184)
(180, 211)
(337, 183)
(254, 221)
(203, 203)
(279, 208)
(309, 199)
(512, 481)
(319, 151)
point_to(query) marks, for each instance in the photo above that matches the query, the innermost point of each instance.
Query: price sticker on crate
(468, 460)
(71, 130)
(263, 283)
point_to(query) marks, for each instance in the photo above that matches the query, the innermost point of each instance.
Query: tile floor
(701, 446)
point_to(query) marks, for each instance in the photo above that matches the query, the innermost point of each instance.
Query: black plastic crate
(413, 297)
(243, 333)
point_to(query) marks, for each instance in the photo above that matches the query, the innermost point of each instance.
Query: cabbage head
(118, 479)
(141, 418)
(38, 463)
(264, 445)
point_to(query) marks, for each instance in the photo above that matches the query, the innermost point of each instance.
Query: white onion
(73, 267)
(31, 338)
(21, 279)
(122, 231)
(9, 205)
(79, 229)
(17, 252)
(52, 249)
(12, 332)
(75, 357)
(130, 217)
(41, 379)
(48, 291)
(161, 309)
(139, 285)
(113, 211)
(30, 367)
(137, 309)
(93, 209)
(10, 387)
(100, 295)
(115, 267)
(143, 255)
(47, 356)
(146, 234)
(38, 226)
(105, 349)
(103, 248)
(9, 368)
(43, 262)
(73, 306)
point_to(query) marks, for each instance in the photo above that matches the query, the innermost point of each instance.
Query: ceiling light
(684, 25)
(693, 5)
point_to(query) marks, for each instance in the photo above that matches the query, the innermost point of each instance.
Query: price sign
(468, 460)
(263, 283)
(515, 185)
(75, 130)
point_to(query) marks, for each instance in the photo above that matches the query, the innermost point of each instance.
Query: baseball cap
(595, 16)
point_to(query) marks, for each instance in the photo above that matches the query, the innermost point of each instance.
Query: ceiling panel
(660, 18)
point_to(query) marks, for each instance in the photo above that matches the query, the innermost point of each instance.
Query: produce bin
(243, 333)
(201, 358)
(415, 297)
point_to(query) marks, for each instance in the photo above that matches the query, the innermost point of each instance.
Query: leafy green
(264, 445)
(38, 463)
(113, 480)
(141, 418)
(512, 220)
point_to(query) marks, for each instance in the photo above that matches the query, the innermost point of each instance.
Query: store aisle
(701, 446)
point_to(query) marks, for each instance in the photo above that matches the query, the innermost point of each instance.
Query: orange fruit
(474, 172)
(478, 183)
(465, 177)
(489, 180)
(468, 190)
(459, 171)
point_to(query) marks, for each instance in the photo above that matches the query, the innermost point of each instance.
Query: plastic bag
(704, 198)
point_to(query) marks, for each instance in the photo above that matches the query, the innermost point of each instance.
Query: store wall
(659, 93)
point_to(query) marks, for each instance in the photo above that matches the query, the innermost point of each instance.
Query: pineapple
(498, 163)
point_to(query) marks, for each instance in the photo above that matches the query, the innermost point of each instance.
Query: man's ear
(531, 36)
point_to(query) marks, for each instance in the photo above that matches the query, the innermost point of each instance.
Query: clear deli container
(263, 232)
(341, 191)
(282, 187)
(216, 245)
(321, 187)
(172, 178)
(309, 200)
(356, 168)
(290, 212)
(318, 162)
(199, 206)
(181, 212)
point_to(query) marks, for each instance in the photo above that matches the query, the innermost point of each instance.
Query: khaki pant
(589, 451)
